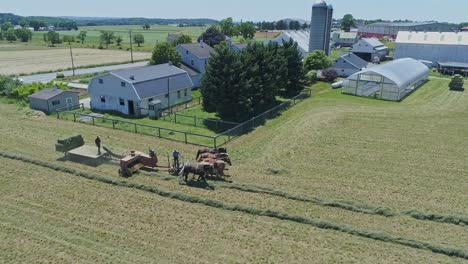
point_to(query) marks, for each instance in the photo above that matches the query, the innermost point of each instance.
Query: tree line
(239, 85)
(282, 25)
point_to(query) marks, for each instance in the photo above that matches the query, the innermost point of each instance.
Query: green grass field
(346, 154)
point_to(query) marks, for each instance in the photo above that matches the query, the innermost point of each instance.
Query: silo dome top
(320, 4)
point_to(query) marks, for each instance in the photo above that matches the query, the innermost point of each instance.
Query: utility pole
(131, 45)
(71, 55)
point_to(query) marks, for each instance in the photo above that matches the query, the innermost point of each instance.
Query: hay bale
(69, 143)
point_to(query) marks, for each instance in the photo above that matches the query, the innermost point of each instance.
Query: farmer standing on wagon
(98, 144)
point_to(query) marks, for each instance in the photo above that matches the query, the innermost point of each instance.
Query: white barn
(437, 47)
(369, 49)
(391, 81)
(130, 91)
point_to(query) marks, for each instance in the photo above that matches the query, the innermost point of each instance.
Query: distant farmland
(29, 61)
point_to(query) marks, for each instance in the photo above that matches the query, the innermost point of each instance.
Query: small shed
(49, 100)
(371, 48)
(348, 64)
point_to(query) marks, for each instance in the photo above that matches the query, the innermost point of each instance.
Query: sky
(254, 10)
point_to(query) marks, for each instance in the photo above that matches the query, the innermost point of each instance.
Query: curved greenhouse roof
(402, 72)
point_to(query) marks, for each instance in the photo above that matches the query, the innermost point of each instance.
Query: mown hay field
(36, 60)
(331, 147)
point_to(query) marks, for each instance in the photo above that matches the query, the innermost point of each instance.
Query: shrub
(311, 76)
(8, 84)
(60, 75)
(329, 75)
(21, 93)
(457, 83)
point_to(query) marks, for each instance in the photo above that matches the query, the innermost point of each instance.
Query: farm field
(350, 150)
(36, 60)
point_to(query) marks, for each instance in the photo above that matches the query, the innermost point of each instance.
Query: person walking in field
(175, 156)
(98, 144)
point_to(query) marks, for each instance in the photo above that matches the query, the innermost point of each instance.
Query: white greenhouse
(391, 81)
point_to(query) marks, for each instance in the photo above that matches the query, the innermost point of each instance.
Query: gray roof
(400, 24)
(402, 71)
(189, 70)
(147, 73)
(451, 64)
(354, 60)
(373, 42)
(201, 50)
(47, 94)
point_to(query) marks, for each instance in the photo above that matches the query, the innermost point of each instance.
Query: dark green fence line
(259, 120)
(188, 137)
(161, 132)
(210, 123)
(181, 106)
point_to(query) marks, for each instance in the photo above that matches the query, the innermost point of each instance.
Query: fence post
(74, 117)
(195, 120)
(136, 128)
(82, 106)
(185, 138)
(175, 118)
(113, 124)
(58, 115)
(159, 132)
(214, 142)
(93, 120)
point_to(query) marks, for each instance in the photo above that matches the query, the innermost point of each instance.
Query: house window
(166, 96)
(123, 84)
(101, 81)
(178, 94)
(185, 92)
(121, 101)
(192, 62)
(186, 52)
(56, 102)
(150, 100)
(103, 99)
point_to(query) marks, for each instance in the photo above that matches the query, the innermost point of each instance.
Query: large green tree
(10, 35)
(82, 36)
(183, 39)
(8, 84)
(224, 86)
(317, 60)
(165, 52)
(5, 26)
(107, 37)
(52, 37)
(212, 36)
(227, 27)
(139, 39)
(23, 34)
(294, 80)
(348, 22)
(247, 30)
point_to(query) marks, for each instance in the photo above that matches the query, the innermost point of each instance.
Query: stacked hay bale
(69, 143)
(457, 83)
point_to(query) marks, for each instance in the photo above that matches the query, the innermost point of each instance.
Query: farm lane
(47, 77)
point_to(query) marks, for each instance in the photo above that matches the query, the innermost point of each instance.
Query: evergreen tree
(294, 80)
(212, 36)
(223, 86)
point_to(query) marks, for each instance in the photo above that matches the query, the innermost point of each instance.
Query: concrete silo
(320, 27)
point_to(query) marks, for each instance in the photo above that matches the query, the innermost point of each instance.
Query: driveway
(47, 77)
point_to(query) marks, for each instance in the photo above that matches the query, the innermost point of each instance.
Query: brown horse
(210, 150)
(216, 167)
(222, 156)
(201, 170)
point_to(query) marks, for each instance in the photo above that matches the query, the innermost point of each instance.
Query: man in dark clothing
(98, 144)
(175, 156)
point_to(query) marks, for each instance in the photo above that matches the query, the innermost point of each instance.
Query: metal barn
(391, 81)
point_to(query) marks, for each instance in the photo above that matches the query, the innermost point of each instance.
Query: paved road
(47, 77)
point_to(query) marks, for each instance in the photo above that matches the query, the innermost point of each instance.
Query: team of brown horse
(211, 162)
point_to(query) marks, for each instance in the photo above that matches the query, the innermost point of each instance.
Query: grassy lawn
(402, 156)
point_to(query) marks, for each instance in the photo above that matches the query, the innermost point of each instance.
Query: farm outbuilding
(50, 100)
(391, 81)
(391, 29)
(437, 47)
(370, 49)
(301, 37)
(131, 92)
(348, 64)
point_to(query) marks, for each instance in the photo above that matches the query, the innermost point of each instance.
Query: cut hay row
(345, 205)
(453, 252)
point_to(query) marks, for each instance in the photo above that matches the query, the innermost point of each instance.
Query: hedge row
(460, 253)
